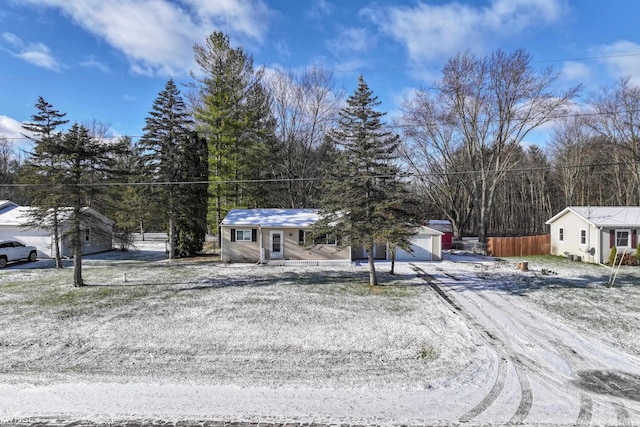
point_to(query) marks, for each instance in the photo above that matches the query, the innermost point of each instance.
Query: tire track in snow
(526, 395)
(493, 394)
(526, 391)
(570, 356)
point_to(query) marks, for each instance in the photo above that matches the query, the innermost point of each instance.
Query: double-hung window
(583, 236)
(243, 235)
(622, 239)
(561, 234)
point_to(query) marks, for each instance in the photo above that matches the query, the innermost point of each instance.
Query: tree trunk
(373, 280)
(172, 236)
(56, 240)
(392, 250)
(77, 268)
(77, 247)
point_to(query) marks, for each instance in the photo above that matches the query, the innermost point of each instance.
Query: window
(327, 239)
(622, 238)
(561, 234)
(243, 235)
(87, 235)
(304, 237)
(583, 236)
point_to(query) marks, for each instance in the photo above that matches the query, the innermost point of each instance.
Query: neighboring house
(587, 233)
(277, 236)
(97, 231)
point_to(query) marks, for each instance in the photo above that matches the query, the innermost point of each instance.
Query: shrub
(612, 256)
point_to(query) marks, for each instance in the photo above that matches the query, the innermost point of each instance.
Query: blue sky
(107, 60)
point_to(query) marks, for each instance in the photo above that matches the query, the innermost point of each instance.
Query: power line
(388, 127)
(308, 179)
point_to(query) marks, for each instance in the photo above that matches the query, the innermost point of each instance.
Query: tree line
(241, 136)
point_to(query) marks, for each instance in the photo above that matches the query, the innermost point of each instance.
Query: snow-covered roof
(12, 214)
(6, 204)
(605, 216)
(294, 218)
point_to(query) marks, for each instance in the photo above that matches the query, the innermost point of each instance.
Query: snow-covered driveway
(545, 371)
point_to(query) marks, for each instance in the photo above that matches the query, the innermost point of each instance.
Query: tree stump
(523, 266)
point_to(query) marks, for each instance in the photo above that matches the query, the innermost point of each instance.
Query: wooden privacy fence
(519, 246)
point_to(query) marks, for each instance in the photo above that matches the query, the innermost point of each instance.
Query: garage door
(421, 245)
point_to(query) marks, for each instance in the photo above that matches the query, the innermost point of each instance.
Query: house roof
(285, 218)
(604, 216)
(12, 214)
(440, 224)
(6, 204)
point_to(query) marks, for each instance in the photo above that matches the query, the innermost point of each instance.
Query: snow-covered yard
(193, 339)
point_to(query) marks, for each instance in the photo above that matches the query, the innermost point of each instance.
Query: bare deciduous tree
(489, 106)
(304, 106)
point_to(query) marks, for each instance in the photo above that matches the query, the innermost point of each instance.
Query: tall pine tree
(233, 112)
(46, 194)
(173, 159)
(364, 198)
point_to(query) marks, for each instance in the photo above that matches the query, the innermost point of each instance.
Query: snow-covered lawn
(312, 343)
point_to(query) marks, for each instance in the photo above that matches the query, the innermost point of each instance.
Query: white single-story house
(97, 230)
(587, 233)
(283, 236)
(276, 236)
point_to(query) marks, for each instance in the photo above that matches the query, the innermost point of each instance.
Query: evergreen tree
(191, 220)
(233, 112)
(41, 170)
(173, 158)
(81, 164)
(365, 194)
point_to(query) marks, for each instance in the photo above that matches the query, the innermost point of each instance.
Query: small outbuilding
(588, 233)
(445, 226)
(97, 230)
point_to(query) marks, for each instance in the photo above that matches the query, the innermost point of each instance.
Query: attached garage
(426, 245)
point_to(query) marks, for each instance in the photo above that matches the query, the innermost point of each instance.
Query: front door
(276, 244)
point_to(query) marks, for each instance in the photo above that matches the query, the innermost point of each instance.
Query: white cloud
(320, 9)
(351, 41)
(246, 17)
(11, 129)
(92, 62)
(575, 71)
(439, 31)
(157, 36)
(622, 59)
(34, 53)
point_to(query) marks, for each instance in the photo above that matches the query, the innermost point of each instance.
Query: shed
(445, 226)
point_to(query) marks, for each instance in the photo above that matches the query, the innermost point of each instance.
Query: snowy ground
(466, 340)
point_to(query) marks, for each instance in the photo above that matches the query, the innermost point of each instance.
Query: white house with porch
(587, 233)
